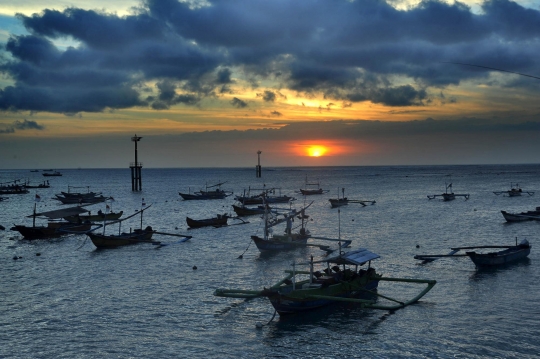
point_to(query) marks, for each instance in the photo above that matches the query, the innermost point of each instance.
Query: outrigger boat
(448, 196)
(218, 221)
(311, 191)
(340, 281)
(53, 228)
(265, 196)
(343, 201)
(508, 255)
(514, 191)
(45, 184)
(140, 235)
(218, 193)
(523, 216)
(52, 174)
(99, 217)
(248, 211)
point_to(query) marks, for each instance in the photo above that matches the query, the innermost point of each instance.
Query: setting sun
(316, 151)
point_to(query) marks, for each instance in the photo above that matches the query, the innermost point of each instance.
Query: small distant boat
(53, 228)
(51, 174)
(523, 216)
(448, 196)
(266, 196)
(206, 194)
(312, 191)
(509, 254)
(514, 191)
(340, 280)
(248, 211)
(80, 200)
(45, 184)
(99, 217)
(218, 221)
(34, 170)
(343, 201)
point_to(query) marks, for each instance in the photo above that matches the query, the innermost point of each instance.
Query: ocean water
(73, 301)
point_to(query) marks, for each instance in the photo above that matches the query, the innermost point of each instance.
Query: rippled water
(74, 301)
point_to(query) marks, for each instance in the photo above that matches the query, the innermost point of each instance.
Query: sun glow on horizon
(316, 151)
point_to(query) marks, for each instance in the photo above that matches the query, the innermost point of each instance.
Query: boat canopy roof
(61, 213)
(358, 257)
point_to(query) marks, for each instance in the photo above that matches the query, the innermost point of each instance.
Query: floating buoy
(417, 246)
(259, 325)
(194, 267)
(353, 219)
(2, 227)
(38, 254)
(15, 258)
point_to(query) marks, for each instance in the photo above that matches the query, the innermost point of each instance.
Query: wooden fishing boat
(248, 211)
(266, 196)
(523, 216)
(140, 235)
(448, 196)
(53, 228)
(312, 191)
(52, 174)
(80, 200)
(343, 201)
(206, 194)
(45, 184)
(218, 221)
(508, 255)
(14, 190)
(99, 217)
(340, 281)
(514, 191)
(288, 240)
(123, 239)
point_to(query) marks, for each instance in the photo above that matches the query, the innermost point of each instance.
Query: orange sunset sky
(309, 83)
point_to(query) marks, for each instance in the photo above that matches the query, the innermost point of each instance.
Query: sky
(307, 82)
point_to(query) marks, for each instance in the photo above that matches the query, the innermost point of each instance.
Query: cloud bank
(347, 51)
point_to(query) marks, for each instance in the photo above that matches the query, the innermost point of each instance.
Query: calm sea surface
(74, 301)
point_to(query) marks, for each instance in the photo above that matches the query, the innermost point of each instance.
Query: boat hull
(309, 192)
(124, 239)
(245, 211)
(338, 202)
(95, 217)
(199, 223)
(288, 301)
(499, 258)
(203, 196)
(52, 230)
(521, 217)
(279, 243)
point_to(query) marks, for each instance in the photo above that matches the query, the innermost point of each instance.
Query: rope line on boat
(259, 325)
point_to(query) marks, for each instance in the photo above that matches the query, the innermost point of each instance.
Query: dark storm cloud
(350, 51)
(236, 102)
(21, 126)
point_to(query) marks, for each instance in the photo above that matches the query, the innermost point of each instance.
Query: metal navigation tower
(136, 179)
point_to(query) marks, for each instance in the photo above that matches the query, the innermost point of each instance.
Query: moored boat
(218, 221)
(308, 191)
(206, 194)
(248, 211)
(522, 216)
(52, 174)
(508, 255)
(514, 191)
(99, 217)
(449, 196)
(123, 239)
(53, 228)
(340, 281)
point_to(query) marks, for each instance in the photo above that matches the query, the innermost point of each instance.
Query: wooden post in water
(136, 178)
(258, 167)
